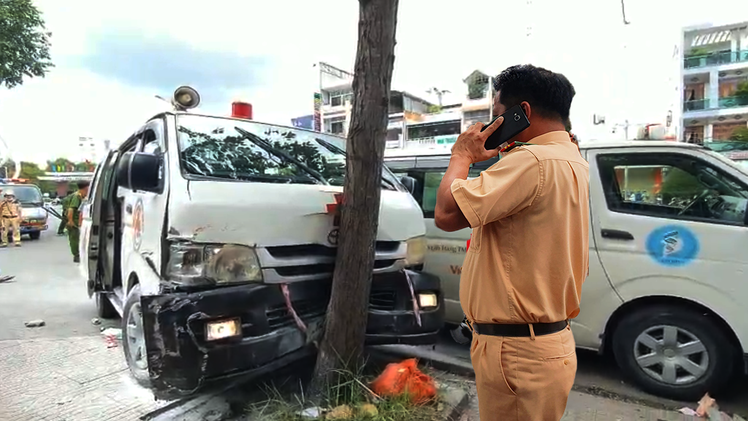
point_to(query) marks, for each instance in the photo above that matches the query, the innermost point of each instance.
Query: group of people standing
(71, 217)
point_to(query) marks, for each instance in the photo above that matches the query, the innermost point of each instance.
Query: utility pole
(623, 12)
(439, 93)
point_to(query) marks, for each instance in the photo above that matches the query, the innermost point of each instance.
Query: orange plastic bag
(405, 378)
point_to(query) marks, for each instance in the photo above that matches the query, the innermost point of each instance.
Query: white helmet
(8, 193)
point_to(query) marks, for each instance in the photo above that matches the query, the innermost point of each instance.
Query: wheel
(673, 352)
(35, 235)
(133, 338)
(104, 307)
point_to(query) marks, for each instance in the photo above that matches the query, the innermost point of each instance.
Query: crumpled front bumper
(181, 360)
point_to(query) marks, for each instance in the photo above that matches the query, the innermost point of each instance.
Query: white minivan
(667, 291)
(215, 239)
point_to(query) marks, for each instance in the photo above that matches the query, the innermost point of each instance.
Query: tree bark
(345, 326)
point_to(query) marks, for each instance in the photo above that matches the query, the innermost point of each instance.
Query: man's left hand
(470, 144)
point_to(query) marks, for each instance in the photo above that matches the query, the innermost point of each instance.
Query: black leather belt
(10, 217)
(519, 330)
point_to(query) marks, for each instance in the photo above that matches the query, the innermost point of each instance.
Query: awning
(711, 38)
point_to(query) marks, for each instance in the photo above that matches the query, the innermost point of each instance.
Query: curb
(458, 408)
(431, 358)
(210, 407)
(464, 368)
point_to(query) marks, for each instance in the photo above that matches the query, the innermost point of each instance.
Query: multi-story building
(413, 122)
(336, 89)
(714, 71)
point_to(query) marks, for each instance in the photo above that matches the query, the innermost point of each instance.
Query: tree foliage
(24, 43)
(740, 134)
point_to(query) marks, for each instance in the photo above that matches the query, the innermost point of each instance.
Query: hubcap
(136, 338)
(671, 355)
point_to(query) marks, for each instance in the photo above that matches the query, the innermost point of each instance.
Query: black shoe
(76, 259)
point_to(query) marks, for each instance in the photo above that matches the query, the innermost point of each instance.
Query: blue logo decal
(672, 245)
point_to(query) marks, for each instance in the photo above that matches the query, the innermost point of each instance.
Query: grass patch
(349, 399)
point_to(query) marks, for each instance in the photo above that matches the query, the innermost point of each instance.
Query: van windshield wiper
(265, 145)
(330, 147)
(336, 150)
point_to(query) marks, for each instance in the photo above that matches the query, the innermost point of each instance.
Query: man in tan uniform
(523, 273)
(10, 212)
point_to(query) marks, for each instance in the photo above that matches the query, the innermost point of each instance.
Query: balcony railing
(725, 102)
(714, 59)
(733, 101)
(695, 105)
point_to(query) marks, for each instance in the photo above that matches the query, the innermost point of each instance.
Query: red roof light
(241, 110)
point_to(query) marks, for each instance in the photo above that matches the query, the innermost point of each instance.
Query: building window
(434, 129)
(472, 117)
(336, 127)
(394, 134)
(673, 186)
(339, 98)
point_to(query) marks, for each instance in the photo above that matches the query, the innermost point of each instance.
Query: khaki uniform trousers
(13, 224)
(524, 379)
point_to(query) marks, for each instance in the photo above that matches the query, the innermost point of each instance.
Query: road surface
(62, 370)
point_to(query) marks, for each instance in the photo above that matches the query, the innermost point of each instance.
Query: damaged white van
(215, 239)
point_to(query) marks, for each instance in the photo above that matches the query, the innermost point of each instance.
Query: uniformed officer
(63, 222)
(10, 211)
(73, 216)
(522, 276)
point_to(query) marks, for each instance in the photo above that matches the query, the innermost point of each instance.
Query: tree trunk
(345, 326)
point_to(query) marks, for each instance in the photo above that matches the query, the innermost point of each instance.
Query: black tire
(689, 324)
(104, 307)
(132, 302)
(35, 235)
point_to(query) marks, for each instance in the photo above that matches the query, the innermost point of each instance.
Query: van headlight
(416, 251)
(213, 264)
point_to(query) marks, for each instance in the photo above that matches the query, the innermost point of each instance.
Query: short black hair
(83, 184)
(548, 93)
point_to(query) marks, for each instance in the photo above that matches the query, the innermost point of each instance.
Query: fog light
(427, 300)
(223, 329)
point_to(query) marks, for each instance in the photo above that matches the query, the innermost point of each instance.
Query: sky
(111, 59)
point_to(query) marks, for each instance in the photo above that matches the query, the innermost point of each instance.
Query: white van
(215, 240)
(667, 290)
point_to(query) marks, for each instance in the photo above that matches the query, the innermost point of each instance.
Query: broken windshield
(223, 148)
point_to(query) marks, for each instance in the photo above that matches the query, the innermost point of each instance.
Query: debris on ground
(314, 412)
(112, 336)
(116, 333)
(397, 379)
(342, 412)
(708, 409)
(35, 323)
(95, 321)
(6, 278)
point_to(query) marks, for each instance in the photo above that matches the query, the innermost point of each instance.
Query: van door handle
(128, 209)
(616, 234)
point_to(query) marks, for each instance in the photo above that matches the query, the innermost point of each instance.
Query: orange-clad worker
(529, 253)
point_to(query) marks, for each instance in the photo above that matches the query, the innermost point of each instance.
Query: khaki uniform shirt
(8, 209)
(529, 254)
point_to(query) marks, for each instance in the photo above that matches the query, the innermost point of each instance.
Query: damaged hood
(263, 214)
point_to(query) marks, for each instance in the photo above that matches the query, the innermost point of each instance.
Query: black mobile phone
(515, 121)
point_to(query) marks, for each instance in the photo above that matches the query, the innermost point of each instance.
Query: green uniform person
(73, 223)
(64, 220)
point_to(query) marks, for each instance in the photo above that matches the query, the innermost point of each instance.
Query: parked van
(33, 215)
(667, 291)
(215, 240)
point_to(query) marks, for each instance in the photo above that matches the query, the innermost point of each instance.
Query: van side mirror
(138, 171)
(409, 183)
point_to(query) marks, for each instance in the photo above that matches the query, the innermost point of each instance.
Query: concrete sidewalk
(76, 378)
(584, 407)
